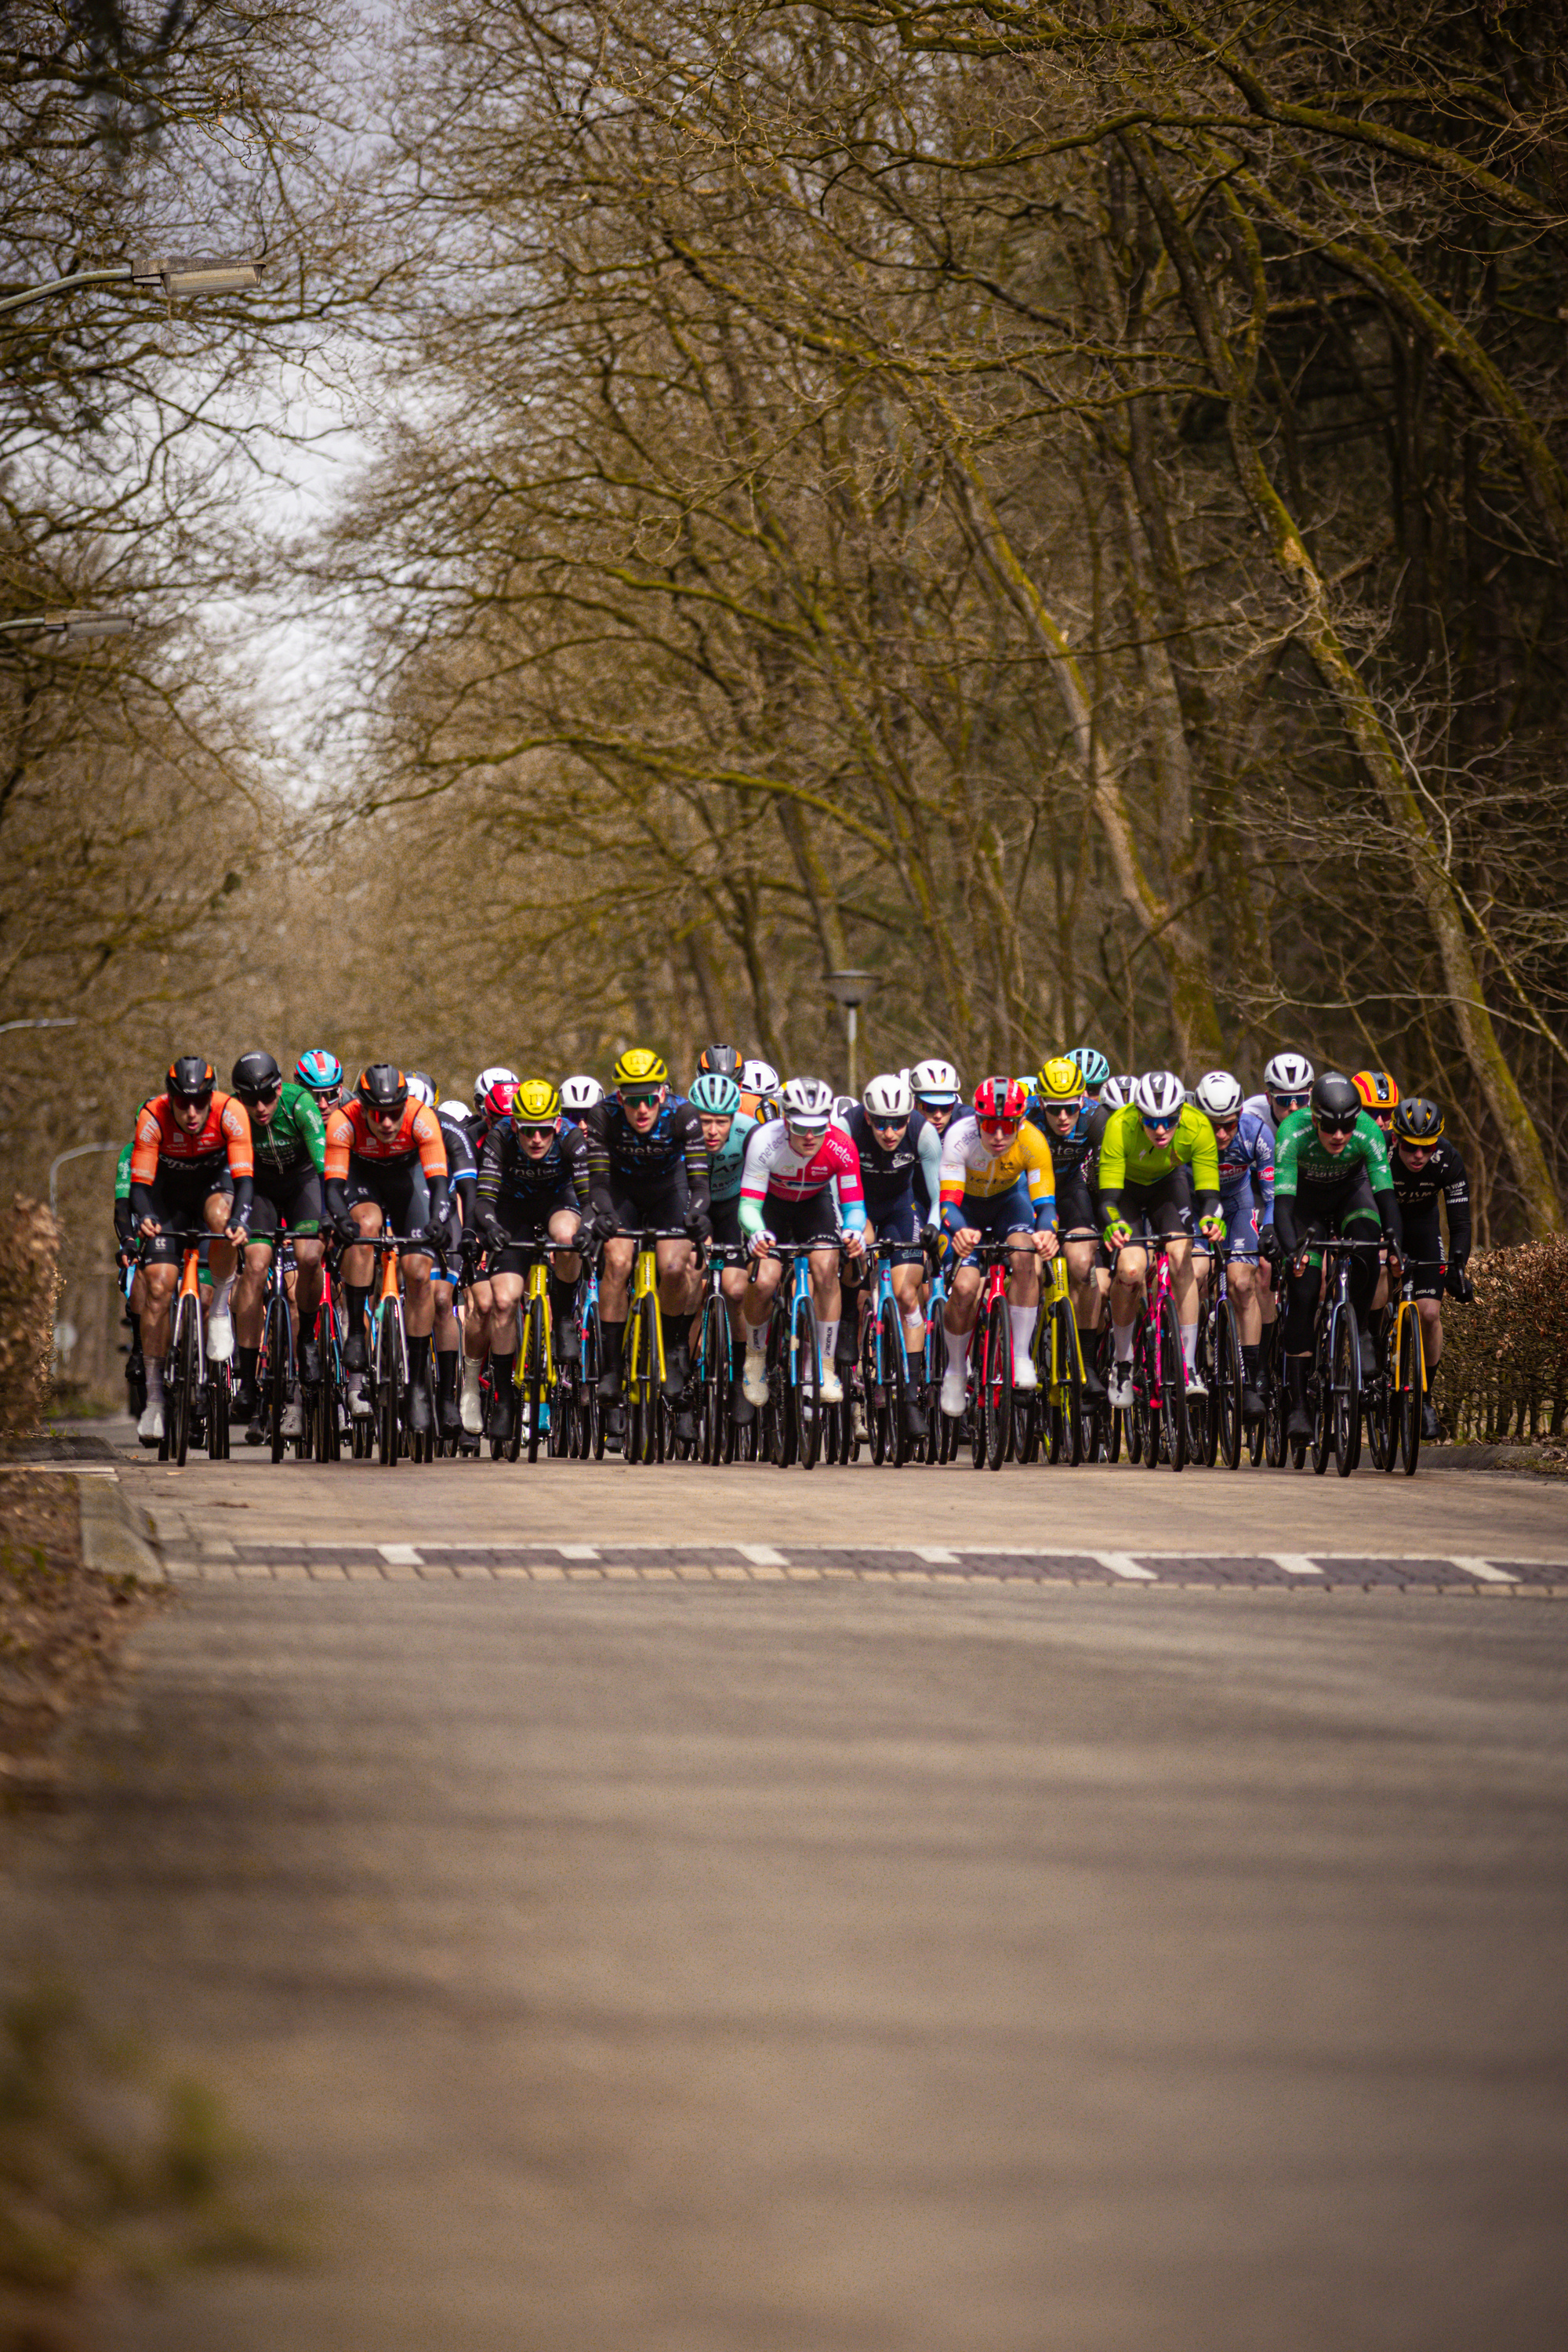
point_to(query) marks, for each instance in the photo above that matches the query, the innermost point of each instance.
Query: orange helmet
(1377, 1089)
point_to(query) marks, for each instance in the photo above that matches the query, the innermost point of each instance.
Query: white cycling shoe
(830, 1388)
(1119, 1388)
(149, 1428)
(359, 1404)
(754, 1376)
(470, 1404)
(293, 1422)
(1023, 1373)
(220, 1334)
(952, 1389)
(1197, 1385)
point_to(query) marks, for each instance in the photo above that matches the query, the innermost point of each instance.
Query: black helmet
(254, 1074)
(1333, 1096)
(1418, 1121)
(722, 1061)
(382, 1087)
(191, 1076)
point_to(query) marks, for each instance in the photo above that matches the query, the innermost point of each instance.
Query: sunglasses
(526, 1130)
(1000, 1126)
(263, 1093)
(1292, 1102)
(1225, 1126)
(195, 1102)
(640, 1098)
(889, 1125)
(1172, 1118)
(1334, 1125)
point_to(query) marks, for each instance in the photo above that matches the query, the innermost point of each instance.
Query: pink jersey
(772, 1169)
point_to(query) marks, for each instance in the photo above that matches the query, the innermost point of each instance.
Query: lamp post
(851, 990)
(73, 628)
(188, 273)
(77, 1152)
(49, 1021)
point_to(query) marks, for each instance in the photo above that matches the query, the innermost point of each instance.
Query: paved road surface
(740, 1960)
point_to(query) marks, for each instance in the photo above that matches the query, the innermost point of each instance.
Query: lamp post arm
(121, 273)
(77, 1152)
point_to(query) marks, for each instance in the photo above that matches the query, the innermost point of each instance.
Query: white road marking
(1122, 1563)
(935, 1555)
(1294, 1563)
(759, 1555)
(1482, 1571)
(577, 1551)
(401, 1555)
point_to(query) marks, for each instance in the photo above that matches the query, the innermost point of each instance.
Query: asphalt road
(744, 1960)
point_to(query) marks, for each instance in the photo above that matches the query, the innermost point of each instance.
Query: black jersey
(620, 1160)
(1417, 1190)
(510, 1178)
(888, 1174)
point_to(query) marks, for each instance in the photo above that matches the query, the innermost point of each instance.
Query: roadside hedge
(1504, 1371)
(29, 1290)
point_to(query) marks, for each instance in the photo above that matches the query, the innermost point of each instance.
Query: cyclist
(288, 1142)
(726, 1130)
(647, 1165)
(126, 1258)
(760, 1091)
(1117, 1093)
(895, 1140)
(1074, 1125)
(1159, 1173)
(447, 1271)
(1287, 1085)
(1246, 1145)
(485, 1084)
(386, 1167)
(579, 1095)
(996, 1183)
(322, 1075)
(191, 1164)
(938, 1098)
(793, 1166)
(1426, 1168)
(459, 1127)
(1379, 1094)
(532, 1187)
(1331, 1177)
(1096, 1070)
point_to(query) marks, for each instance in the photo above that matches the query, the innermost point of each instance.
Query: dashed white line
(401, 1555)
(1294, 1563)
(759, 1555)
(1122, 1563)
(935, 1555)
(576, 1552)
(1482, 1571)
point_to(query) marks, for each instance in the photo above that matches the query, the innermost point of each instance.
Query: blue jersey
(913, 1165)
(724, 1165)
(1247, 1159)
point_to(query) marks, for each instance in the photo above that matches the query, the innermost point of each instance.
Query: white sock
(1122, 1335)
(957, 1350)
(827, 1340)
(220, 1295)
(471, 1371)
(1023, 1322)
(155, 1379)
(756, 1338)
(1190, 1348)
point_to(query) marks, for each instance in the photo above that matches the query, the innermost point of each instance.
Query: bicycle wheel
(996, 1410)
(1147, 1393)
(1412, 1389)
(182, 1405)
(535, 1393)
(1173, 1389)
(276, 1384)
(874, 1388)
(388, 1386)
(1320, 1391)
(218, 1413)
(1347, 1393)
(805, 1387)
(1225, 1390)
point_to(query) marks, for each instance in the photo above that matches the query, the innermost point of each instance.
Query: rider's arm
(847, 1177)
(1112, 1167)
(929, 1171)
(1262, 1159)
(688, 1127)
(952, 1179)
(754, 1183)
(1195, 1144)
(576, 1151)
(595, 1133)
(146, 1146)
(1457, 1201)
(339, 1144)
(1035, 1151)
(234, 1123)
(486, 1187)
(311, 1124)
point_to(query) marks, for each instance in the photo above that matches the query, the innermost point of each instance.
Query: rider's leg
(826, 1304)
(1187, 1287)
(1023, 1306)
(614, 1274)
(249, 1293)
(565, 1273)
(222, 1258)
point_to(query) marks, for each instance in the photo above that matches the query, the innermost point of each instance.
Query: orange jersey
(225, 1133)
(418, 1130)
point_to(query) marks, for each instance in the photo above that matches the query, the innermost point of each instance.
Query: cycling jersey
(888, 1173)
(724, 1165)
(1416, 1191)
(1322, 1181)
(293, 1139)
(1247, 1163)
(774, 1171)
(220, 1150)
(1078, 1151)
(623, 1162)
(1128, 1156)
(418, 1131)
(971, 1170)
(510, 1182)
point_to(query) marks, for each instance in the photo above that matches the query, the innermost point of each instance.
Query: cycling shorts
(994, 1217)
(527, 1224)
(897, 1223)
(725, 1218)
(1241, 1220)
(813, 1219)
(1164, 1207)
(1424, 1259)
(1076, 1206)
(398, 1187)
(663, 1205)
(178, 1199)
(294, 1200)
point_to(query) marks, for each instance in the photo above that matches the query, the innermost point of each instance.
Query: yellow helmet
(535, 1102)
(1060, 1081)
(639, 1068)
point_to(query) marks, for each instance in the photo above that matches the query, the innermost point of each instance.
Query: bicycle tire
(1347, 1395)
(1412, 1391)
(874, 1388)
(1173, 1389)
(218, 1415)
(1203, 1412)
(1225, 1392)
(277, 1343)
(184, 1360)
(1146, 1391)
(805, 1387)
(535, 1389)
(999, 1393)
(389, 1388)
(1321, 1389)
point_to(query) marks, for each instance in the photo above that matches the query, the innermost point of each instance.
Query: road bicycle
(650, 1419)
(1159, 1370)
(1334, 1381)
(942, 1438)
(793, 1416)
(540, 1413)
(990, 1393)
(195, 1393)
(889, 1382)
(1396, 1390)
(1215, 1419)
(275, 1363)
(1061, 1412)
(387, 1380)
(715, 1370)
(135, 1363)
(587, 1439)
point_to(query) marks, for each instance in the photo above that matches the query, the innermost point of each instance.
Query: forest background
(1062, 508)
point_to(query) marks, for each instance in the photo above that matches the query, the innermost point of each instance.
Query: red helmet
(496, 1100)
(1000, 1101)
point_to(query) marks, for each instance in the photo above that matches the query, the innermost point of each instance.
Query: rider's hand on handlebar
(1212, 1228)
(967, 1238)
(761, 1243)
(1118, 1235)
(346, 1228)
(854, 1242)
(1458, 1284)
(1046, 1242)
(149, 1228)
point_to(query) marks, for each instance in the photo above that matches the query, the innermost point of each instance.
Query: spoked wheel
(329, 1437)
(1146, 1385)
(1173, 1389)
(805, 1391)
(1225, 1390)
(534, 1394)
(277, 1374)
(389, 1390)
(180, 1407)
(1347, 1393)
(996, 1399)
(875, 1389)
(1412, 1389)
(218, 1413)
(1077, 1434)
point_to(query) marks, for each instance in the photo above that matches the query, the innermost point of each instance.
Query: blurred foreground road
(739, 1958)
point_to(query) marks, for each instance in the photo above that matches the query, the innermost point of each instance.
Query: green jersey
(1300, 1162)
(1128, 1156)
(294, 1139)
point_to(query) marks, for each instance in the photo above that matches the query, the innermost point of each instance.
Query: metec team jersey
(774, 1170)
(970, 1166)
(418, 1130)
(508, 1174)
(619, 1159)
(224, 1134)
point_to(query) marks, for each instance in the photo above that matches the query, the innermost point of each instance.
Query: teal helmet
(1092, 1063)
(716, 1093)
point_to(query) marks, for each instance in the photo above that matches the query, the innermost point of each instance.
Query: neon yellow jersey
(968, 1165)
(1127, 1156)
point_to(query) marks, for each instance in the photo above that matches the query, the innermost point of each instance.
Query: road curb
(116, 1539)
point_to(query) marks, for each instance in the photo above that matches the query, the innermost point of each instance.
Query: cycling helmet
(1000, 1101)
(381, 1087)
(808, 1102)
(1418, 1121)
(936, 1081)
(254, 1074)
(759, 1078)
(1092, 1063)
(496, 1100)
(1377, 1089)
(535, 1103)
(487, 1078)
(578, 1094)
(1160, 1095)
(1062, 1080)
(888, 1097)
(1116, 1094)
(640, 1066)
(1288, 1074)
(716, 1094)
(422, 1088)
(1219, 1095)
(320, 1072)
(190, 1077)
(723, 1061)
(1333, 1096)
(841, 1107)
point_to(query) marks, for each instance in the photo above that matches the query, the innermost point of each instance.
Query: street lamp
(49, 1021)
(73, 628)
(852, 988)
(188, 273)
(77, 1152)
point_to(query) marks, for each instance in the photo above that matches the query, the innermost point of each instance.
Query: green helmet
(716, 1093)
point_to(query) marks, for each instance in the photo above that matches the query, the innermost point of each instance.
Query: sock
(1190, 1348)
(446, 1372)
(1122, 1335)
(1252, 1364)
(957, 1350)
(155, 1379)
(826, 1339)
(358, 1297)
(135, 1323)
(503, 1371)
(220, 1295)
(418, 1358)
(1086, 1342)
(563, 1301)
(611, 1335)
(248, 1359)
(675, 1328)
(756, 1337)
(1022, 1319)
(471, 1371)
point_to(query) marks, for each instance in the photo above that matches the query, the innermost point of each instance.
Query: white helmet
(1289, 1074)
(808, 1102)
(422, 1088)
(759, 1078)
(1116, 1094)
(936, 1081)
(1160, 1094)
(841, 1107)
(452, 1111)
(497, 1075)
(1218, 1094)
(578, 1094)
(888, 1097)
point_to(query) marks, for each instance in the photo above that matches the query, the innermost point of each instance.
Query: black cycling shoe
(568, 1343)
(242, 1403)
(1431, 1427)
(311, 1363)
(503, 1414)
(916, 1424)
(1299, 1425)
(451, 1419)
(609, 1385)
(1093, 1386)
(420, 1418)
(742, 1412)
(357, 1358)
(615, 1425)
(686, 1426)
(1251, 1405)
